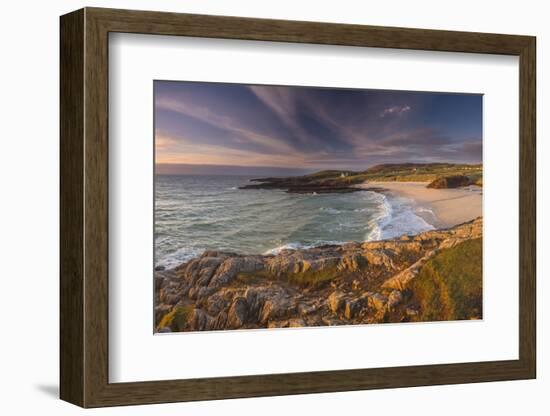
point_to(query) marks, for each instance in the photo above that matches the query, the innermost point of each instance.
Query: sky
(240, 127)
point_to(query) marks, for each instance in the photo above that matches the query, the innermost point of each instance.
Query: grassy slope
(407, 172)
(343, 180)
(449, 286)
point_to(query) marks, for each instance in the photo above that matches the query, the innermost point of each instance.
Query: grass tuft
(311, 277)
(449, 286)
(177, 318)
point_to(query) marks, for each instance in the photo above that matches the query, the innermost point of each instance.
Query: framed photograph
(263, 207)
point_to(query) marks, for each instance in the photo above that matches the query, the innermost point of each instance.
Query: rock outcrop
(452, 181)
(354, 283)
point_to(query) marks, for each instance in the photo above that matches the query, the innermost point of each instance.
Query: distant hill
(330, 181)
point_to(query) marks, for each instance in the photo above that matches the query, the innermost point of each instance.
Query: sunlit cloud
(311, 128)
(164, 143)
(223, 122)
(394, 110)
(181, 150)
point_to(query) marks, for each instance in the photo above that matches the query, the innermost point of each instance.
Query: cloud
(284, 103)
(347, 129)
(227, 123)
(309, 127)
(327, 124)
(394, 110)
(421, 144)
(170, 149)
(163, 142)
(424, 136)
(471, 150)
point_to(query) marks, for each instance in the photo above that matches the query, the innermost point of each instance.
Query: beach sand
(450, 206)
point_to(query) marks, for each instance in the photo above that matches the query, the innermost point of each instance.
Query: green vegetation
(451, 181)
(176, 319)
(330, 174)
(313, 277)
(472, 177)
(343, 180)
(251, 278)
(417, 172)
(405, 172)
(306, 277)
(449, 286)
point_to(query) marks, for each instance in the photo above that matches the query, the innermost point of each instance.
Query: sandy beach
(450, 206)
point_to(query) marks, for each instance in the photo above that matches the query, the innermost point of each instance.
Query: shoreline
(449, 206)
(440, 208)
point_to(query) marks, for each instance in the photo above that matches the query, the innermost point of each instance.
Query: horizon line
(310, 168)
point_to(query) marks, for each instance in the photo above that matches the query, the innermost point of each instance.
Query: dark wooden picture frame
(84, 207)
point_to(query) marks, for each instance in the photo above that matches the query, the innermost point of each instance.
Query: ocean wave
(406, 223)
(209, 215)
(301, 246)
(397, 216)
(331, 210)
(423, 210)
(380, 219)
(178, 257)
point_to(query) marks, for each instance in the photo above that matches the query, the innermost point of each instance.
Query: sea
(194, 213)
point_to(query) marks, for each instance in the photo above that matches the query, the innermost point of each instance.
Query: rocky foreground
(435, 275)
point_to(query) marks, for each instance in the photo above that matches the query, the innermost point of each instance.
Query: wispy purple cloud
(225, 122)
(312, 127)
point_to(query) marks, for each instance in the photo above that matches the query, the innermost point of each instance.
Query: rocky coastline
(405, 279)
(302, 185)
(437, 176)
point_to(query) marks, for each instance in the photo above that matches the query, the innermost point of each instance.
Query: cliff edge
(435, 275)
